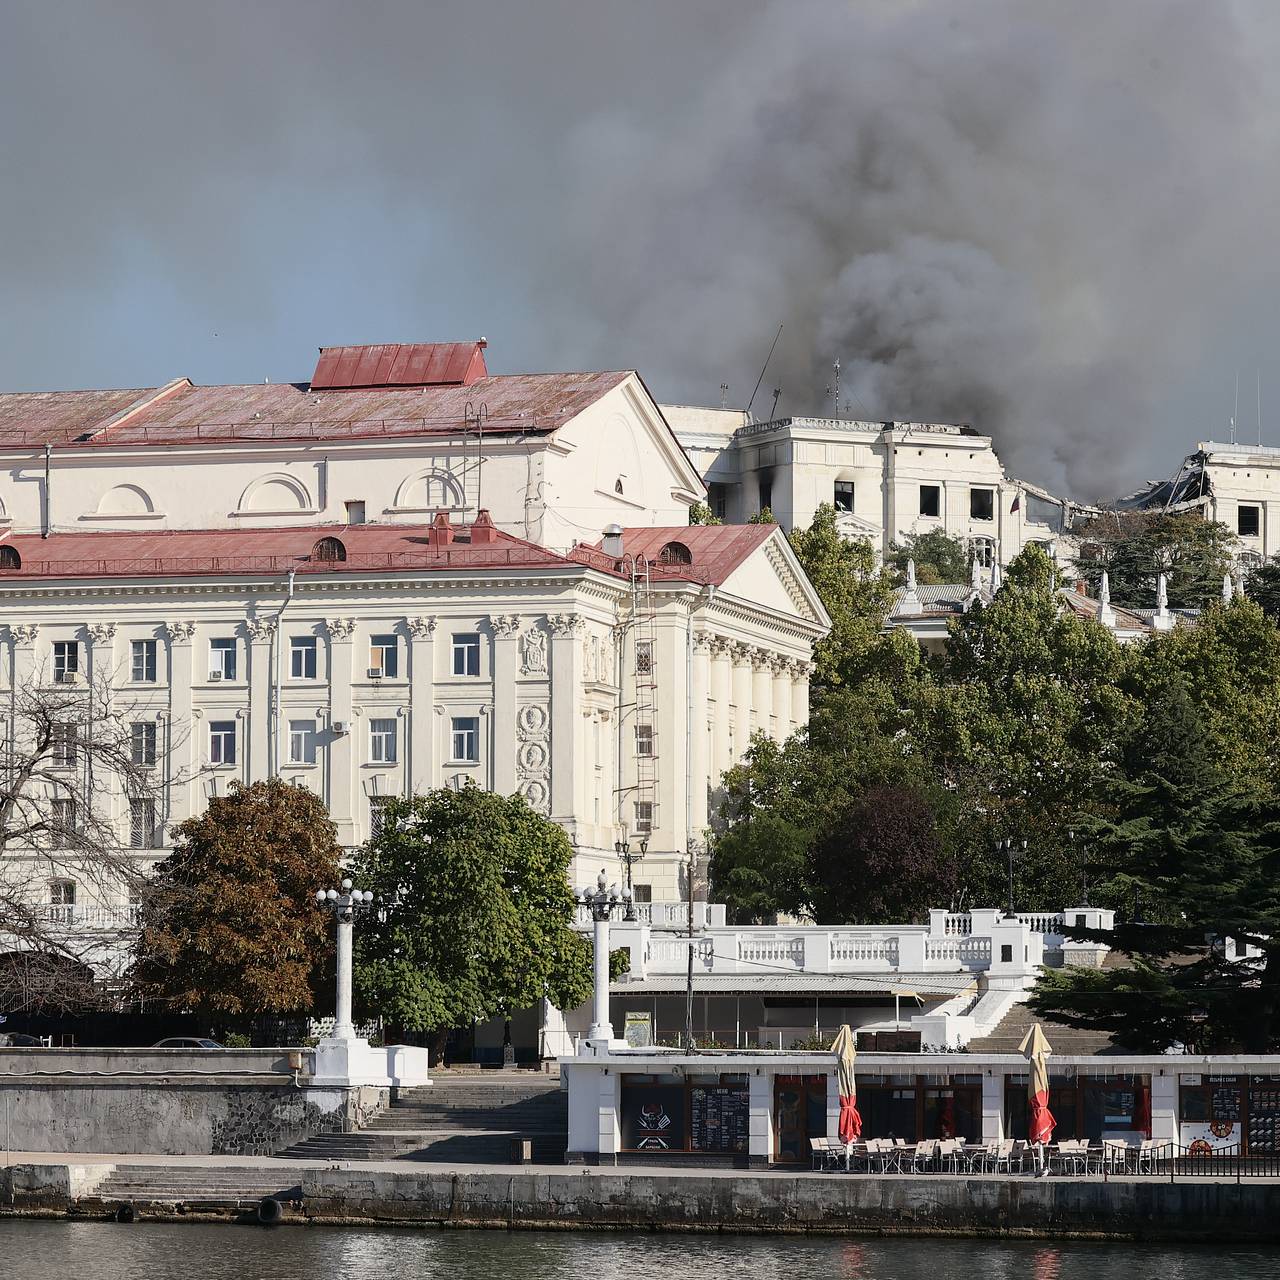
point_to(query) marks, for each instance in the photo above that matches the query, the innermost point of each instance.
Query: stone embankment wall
(174, 1115)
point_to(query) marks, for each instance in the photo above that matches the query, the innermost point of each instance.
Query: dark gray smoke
(1053, 220)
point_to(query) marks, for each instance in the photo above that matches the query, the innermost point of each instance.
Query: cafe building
(759, 1108)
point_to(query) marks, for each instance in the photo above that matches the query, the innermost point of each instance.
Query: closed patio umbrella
(845, 1048)
(1040, 1123)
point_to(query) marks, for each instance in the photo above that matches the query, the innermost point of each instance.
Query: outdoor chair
(1070, 1156)
(1149, 1155)
(821, 1151)
(949, 1154)
(983, 1159)
(1018, 1155)
(1115, 1156)
(924, 1155)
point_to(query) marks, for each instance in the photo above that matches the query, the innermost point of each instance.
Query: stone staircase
(467, 1119)
(200, 1186)
(1065, 1040)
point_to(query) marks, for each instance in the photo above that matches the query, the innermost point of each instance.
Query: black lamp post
(1011, 851)
(623, 849)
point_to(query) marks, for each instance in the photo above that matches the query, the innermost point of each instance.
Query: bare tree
(84, 776)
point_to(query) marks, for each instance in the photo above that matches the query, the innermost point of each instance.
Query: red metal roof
(217, 552)
(715, 550)
(401, 364)
(517, 404)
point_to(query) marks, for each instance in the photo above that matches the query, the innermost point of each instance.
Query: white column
(800, 694)
(699, 762)
(742, 681)
(760, 1120)
(24, 635)
(992, 1106)
(343, 749)
(781, 668)
(506, 632)
(102, 652)
(722, 722)
(187, 746)
(420, 768)
(343, 1027)
(261, 632)
(1164, 1106)
(566, 688)
(761, 693)
(601, 1026)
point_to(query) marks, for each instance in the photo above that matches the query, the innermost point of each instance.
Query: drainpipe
(275, 684)
(48, 491)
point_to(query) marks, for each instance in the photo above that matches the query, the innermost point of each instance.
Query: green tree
(478, 912)
(763, 516)
(1263, 586)
(938, 557)
(1204, 849)
(700, 513)
(1133, 547)
(230, 928)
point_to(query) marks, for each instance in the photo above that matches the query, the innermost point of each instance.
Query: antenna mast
(765, 367)
(836, 401)
(1235, 412)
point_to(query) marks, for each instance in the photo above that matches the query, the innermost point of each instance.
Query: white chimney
(612, 545)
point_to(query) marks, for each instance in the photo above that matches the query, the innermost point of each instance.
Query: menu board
(1264, 1114)
(653, 1118)
(1224, 1102)
(719, 1118)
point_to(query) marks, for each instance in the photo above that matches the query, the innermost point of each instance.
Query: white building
(299, 580)
(886, 480)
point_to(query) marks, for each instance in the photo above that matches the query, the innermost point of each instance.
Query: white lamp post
(344, 905)
(603, 902)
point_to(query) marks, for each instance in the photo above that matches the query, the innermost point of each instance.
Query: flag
(1017, 503)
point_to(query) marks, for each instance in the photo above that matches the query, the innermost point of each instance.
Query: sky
(1055, 221)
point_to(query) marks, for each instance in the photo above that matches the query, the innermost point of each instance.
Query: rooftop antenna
(1235, 412)
(773, 413)
(836, 401)
(1259, 373)
(724, 395)
(760, 379)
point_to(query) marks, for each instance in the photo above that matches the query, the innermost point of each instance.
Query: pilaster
(187, 749)
(566, 745)
(700, 733)
(781, 670)
(800, 694)
(722, 714)
(260, 633)
(420, 767)
(506, 643)
(761, 692)
(343, 749)
(742, 683)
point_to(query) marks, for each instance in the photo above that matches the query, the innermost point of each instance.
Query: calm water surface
(105, 1251)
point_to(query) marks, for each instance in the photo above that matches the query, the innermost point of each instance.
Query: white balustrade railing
(957, 924)
(860, 951)
(75, 917)
(966, 952)
(774, 949)
(1043, 921)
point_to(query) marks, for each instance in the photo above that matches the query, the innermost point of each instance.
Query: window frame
(66, 658)
(1256, 511)
(457, 735)
(64, 743)
(302, 741)
(644, 824)
(645, 734)
(143, 745)
(836, 487)
(222, 732)
(990, 496)
(383, 737)
(465, 646)
(935, 492)
(384, 654)
(64, 805)
(224, 653)
(144, 836)
(299, 648)
(144, 656)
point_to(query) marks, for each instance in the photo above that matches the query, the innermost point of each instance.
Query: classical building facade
(271, 582)
(886, 480)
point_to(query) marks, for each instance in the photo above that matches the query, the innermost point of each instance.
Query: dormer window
(329, 550)
(9, 558)
(675, 553)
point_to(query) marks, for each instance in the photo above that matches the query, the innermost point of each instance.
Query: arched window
(1248, 560)
(329, 550)
(617, 485)
(983, 551)
(9, 558)
(675, 553)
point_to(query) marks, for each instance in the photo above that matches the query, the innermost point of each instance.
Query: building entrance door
(799, 1113)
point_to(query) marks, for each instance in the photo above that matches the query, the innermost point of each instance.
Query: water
(146, 1251)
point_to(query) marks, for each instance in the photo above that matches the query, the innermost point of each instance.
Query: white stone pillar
(343, 1027)
(992, 1105)
(800, 694)
(761, 693)
(343, 749)
(188, 741)
(506, 633)
(781, 669)
(1164, 1105)
(101, 664)
(420, 768)
(261, 633)
(742, 683)
(566, 687)
(721, 711)
(24, 674)
(601, 1026)
(700, 738)
(760, 1119)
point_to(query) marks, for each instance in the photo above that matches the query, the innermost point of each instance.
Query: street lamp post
(691, 864)
(1011, 851)
(623, 849)
(602, 902)
(344, 905)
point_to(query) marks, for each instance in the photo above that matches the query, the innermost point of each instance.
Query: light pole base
(343, 1063)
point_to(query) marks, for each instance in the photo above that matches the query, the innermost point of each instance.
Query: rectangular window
(62, 893)
(464, 739)
(355, 512)
(302, 742)
(64, 818)
(382, 741)
(766, 493)
(718, 500)
(844, 495)
(66, 659)
(1248, 521)
(931, 500)
(644, 739)
(982, 504)
(142, 741)
(142, 824)
(144, 661)
(222, 658)
(302, 657)
(384, 654)
(63, 743)
(642, 892)
(466, 653)
(222, 742)
(644, 817)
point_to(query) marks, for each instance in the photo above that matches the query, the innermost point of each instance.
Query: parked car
(187, 1042)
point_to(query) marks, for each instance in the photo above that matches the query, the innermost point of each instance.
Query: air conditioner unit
(375, 673)
(338, 726)
(66, 677)
(215, 675)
